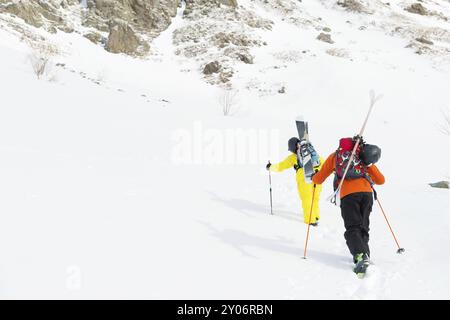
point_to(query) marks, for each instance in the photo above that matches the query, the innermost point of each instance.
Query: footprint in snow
(368, 288)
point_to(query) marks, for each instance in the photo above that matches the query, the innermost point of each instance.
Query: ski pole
(309, 223)
(400, 250)
(270, 185)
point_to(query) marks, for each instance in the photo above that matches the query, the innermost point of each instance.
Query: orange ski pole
(400, 250)
(309, 223)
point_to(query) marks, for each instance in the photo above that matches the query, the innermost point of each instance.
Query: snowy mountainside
(228, 35)
(120, 177)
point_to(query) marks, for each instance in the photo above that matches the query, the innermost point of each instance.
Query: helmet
(370, 154)
(292, 144)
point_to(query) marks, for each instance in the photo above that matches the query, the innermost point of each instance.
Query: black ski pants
(355, 210)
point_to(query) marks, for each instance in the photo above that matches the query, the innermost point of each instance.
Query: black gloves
(360, 138)
(268, 166)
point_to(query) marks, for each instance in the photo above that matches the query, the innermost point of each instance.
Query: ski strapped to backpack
(307, 157)
(305, 153)
(373, 100)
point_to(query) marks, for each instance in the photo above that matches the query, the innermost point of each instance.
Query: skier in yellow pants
(305, 190)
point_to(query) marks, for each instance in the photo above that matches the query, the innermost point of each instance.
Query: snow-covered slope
(122, 178)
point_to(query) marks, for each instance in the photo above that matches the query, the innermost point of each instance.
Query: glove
(360, 138)
(268, 166)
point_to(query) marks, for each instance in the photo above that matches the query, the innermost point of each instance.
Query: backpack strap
(368, 178)
(375, 195)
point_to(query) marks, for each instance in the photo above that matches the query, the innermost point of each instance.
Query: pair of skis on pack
(305, 158)
(304, 150)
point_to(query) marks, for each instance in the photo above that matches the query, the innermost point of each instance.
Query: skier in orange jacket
(356, 193)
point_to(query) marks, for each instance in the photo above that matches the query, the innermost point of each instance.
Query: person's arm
(325, 171)
(375, 174)
(285, 164)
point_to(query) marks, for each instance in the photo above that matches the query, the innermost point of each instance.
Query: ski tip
(374, 97)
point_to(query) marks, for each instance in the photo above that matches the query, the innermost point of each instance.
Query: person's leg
(305, 192)
(353, 221)
(366, 209)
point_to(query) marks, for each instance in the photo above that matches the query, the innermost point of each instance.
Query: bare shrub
(228, 101)
(40, 58)
(39, 64)
(338, 52)
(293, 56)
(445, 128)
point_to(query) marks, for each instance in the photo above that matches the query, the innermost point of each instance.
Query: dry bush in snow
(288, 56)
(338, 52)
(228, 102)
(40, 58)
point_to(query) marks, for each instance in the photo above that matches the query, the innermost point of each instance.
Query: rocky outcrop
(424, 41)
(46, 14)
(24, 11)
(352, 5)
(441, 184)
(207, 6)
(122, 39)
(94, 37)
(325, 37)
(149, 16)
(141, 20)
(212, 67)
(355, 6)
(245, 57)
(417, 8)
(220, 31)
(131, 24)
(220, 35)
(230, 3)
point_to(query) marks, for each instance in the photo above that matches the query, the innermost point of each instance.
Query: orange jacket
(349, 186)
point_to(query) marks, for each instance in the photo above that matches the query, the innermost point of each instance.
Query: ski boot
(315, 223)
(362, 261)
